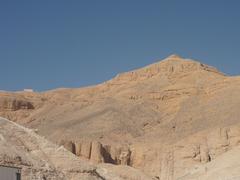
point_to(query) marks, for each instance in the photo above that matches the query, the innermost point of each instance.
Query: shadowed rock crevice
(14, 104)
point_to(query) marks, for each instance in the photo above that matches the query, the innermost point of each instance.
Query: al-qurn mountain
(167, 119)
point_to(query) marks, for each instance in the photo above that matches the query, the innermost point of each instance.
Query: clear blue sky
(48, 44)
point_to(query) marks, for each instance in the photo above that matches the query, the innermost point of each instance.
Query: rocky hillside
(40, 159)
(163, 119)
(226, 166)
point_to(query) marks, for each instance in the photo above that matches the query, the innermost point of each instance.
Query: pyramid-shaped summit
(174, 57)
(173, 64)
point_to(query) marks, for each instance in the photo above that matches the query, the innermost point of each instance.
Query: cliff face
(163, 119)
(41, 159)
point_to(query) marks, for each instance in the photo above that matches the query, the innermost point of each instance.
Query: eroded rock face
(172, 162)
(43, 160)
(86, 148)
(163, 162)
(69, 145)
(124, 157)
(14, 104)
(119, 155)
(78, 149)
(98, 153)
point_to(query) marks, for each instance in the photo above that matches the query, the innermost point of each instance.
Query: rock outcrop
(69, 145)
(14, 103)
(41, 159)
(98, 153)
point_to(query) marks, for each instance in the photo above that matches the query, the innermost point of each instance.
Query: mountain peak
(172, 65)
(174, 57)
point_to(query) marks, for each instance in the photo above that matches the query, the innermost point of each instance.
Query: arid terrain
(176, 119)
